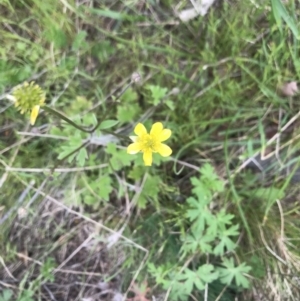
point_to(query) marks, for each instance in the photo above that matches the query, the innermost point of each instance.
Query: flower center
(148, 143)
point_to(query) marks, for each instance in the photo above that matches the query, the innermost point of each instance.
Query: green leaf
(82, 156)
(150, 191)
(136, 173)
(200, 242)
(157, 93)
(65, 152)
(56, 36)
(208, 172)
(159, 273)
(115, 15)
(223, 219)
(130, 107)
(106, 124)
(129, 96)
(97, 190)
(6, 295)
(170, 104)
(79, 40)
(199, 213)
(279, 11)
(205, 274)
(119, 158)
(47, 268)
(103, 50)
(89, 199)
(68, 147)
(90, 119)
(225, 244)
(258, 267)
(205, 219)
(182, 287)
(211, 179)
(127, 113)
(195, 210)
(105, 187)
(77, 106)
(276, 13)
(267, 193)
(202, 191)
(180, 291)
(26, 295)
(230, 273)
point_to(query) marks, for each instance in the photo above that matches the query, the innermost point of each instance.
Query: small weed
(217, 219)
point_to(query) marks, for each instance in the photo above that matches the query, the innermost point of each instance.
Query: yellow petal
(140, 129)
(156, 129)
(133, 138)
(133, 148)
(147, 158)
(164, 135)
(164, 150)
(34, 114)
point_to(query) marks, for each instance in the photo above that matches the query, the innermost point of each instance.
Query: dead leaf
(139, 291)
(289, 89)
(200, 8)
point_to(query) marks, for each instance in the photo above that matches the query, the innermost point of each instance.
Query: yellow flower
(28, 97)
(150, 143)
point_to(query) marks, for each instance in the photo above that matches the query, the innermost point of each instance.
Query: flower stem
(65, 118)
(116, 135)
(77, 126)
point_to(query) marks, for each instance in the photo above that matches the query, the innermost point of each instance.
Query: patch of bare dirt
(62, 256)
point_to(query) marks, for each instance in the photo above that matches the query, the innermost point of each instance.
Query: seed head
(27, 96)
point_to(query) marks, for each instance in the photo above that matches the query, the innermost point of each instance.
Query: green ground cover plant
(146, 158)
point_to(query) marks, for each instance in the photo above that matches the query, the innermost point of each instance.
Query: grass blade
(279, 11)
